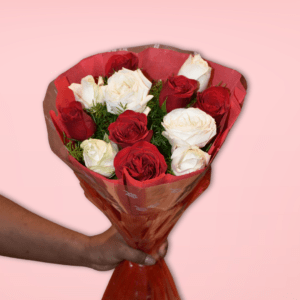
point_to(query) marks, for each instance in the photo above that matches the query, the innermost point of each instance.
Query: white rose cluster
(124, 88)
(187, 130)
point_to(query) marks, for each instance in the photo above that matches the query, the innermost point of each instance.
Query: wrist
(80, 248)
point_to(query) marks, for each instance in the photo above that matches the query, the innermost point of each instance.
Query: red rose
(129, 128)
(80, 126)
(215, 101)
(143, 161)
(179, 91)
(117, 62)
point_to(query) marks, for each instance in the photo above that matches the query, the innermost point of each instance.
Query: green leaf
(105, 138)
(105, 80)
(164, 106)
(206, 147)
(193, 101)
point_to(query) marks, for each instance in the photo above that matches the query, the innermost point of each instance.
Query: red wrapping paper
(143, 212)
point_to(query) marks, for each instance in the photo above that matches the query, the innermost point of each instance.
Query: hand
(106, 250)
(26, 235)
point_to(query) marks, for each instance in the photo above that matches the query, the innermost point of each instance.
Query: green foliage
(114, 177)
(122, 109)
(193, 101)
(105, 80)
(155, 118)
(102, 118)
(75, 150)
(207, 147)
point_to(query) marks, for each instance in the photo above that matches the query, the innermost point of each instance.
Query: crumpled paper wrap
(143, 212)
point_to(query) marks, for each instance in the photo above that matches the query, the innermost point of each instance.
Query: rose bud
(188, 127)
(188, 159)
(99, 156)
(178, 90)
(196, 68)
(143, 161)
(79, 125)
(215, 101)
(119, 61)
(129, 128)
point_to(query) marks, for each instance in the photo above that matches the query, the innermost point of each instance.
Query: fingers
(141, 257)
(137, 256)
(104, 267)
(162, 251)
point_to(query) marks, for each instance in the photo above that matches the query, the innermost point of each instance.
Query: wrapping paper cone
(145, 232)
(143, 212)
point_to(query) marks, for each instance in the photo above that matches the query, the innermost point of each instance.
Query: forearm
(26, 235)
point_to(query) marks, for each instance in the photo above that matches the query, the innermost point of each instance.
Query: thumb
(137, 256)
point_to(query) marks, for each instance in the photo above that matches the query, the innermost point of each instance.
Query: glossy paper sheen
(144, 212)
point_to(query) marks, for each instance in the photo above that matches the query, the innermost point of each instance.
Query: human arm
(26, 235)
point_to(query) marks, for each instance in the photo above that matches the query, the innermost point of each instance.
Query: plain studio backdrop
(240, 239)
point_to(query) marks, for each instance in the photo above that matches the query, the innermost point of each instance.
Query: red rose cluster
(141, 159)
(178, 91)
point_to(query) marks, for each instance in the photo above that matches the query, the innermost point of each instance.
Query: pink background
(241, 239)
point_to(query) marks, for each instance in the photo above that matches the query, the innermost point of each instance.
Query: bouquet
(140, 128)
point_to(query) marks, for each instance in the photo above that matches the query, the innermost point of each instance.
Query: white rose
(88, 92)
(188, 127)
(147, 110)
(198, 69)
(188, 159)
(129, 88)
(99, 156)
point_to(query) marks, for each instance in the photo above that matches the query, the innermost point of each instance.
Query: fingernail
(149, 261)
